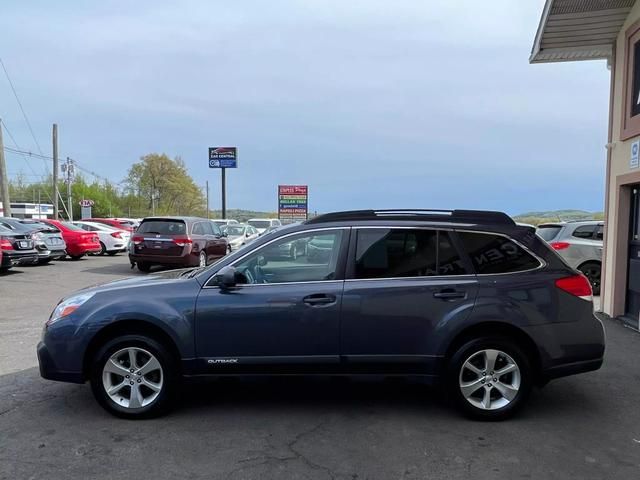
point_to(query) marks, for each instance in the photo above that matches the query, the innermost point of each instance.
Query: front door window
(308, 257)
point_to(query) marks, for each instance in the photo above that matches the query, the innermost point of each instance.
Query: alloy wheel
(132, 377)
(489, 379)
(203, 259)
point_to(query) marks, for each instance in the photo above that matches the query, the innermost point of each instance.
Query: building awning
(573, 30)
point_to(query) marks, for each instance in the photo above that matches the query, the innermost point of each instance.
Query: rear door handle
(319, 299)
(449, 294)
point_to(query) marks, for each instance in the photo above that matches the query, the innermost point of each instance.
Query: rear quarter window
(585, 231)
(491, 254)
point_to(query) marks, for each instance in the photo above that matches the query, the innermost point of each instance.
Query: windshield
(548, 232)
(260, 223)
(234, 231)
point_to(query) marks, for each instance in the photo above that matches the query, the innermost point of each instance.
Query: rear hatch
(166, 237)
(18, 241)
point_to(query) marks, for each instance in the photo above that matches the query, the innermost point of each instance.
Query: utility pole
(55, 171)
(207, 199)
(224, 194)
(68, 169)
(4, 180)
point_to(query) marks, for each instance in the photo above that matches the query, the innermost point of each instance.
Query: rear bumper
(83, 248)
(50, 371)
(10, 259)
(187, 260)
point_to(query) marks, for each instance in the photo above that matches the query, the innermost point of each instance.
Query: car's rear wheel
(592, 270)
(143, 267)
(103, 248)
(134, 376)
(489, 377)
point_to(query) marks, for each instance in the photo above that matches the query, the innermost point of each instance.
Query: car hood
(142, 281)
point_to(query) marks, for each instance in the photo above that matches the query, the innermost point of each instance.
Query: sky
(373, 104)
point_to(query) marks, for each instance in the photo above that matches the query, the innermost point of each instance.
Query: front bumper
(50, 371)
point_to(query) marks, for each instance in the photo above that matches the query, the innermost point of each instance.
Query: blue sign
(223, 157)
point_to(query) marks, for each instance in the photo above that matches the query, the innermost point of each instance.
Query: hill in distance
(536, 218)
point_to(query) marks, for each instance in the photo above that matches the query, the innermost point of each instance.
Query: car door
(216, 246)
(585, 246)
(281, 312)
(403, 286)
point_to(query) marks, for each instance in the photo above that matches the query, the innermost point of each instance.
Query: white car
(239, 235)
(264, 224)
(221, 223)
(112, 240)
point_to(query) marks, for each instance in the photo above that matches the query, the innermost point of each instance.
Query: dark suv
(466, 300)
(176, 241)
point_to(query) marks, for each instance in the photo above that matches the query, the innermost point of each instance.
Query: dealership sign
(86, 203)
(223, 157)
(293, 202)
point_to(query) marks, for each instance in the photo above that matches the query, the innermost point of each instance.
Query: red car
(79, 242)
(113, 222)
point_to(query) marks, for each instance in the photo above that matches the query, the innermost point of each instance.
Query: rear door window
(198, 229)
(163, 227)
(397, 253)
(585, 231)
(490, 254)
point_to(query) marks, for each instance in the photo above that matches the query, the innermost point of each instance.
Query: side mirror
(226, 277)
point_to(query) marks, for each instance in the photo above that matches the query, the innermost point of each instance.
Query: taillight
(116, 235)
(137, 239)
(577, 285)
(5, 244)
(560, 245)
(182, 241)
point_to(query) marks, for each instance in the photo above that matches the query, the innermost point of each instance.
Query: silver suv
(579, 244)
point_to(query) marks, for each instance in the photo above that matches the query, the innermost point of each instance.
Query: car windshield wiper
(192, 272)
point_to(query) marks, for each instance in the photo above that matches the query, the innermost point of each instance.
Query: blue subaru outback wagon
(467, 300)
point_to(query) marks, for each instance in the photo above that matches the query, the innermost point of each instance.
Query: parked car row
(28, 241)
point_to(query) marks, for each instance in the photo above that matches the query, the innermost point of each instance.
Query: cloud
(402, 104)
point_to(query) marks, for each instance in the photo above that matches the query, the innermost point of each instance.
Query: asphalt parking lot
(585, 427)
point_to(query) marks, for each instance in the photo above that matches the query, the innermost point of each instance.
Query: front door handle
(449, 294)
(319, 299)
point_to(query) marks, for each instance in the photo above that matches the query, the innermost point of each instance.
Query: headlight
(68, 306)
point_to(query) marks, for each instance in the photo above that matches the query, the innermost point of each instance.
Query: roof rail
(457, 216)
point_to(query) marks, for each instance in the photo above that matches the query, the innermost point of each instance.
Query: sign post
(223, 158)
(85, 211)
(293, 203)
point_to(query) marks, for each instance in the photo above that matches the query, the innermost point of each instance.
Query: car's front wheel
(490, 378)
(134, 376)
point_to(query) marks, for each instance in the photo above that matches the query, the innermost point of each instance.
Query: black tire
(454, 376)
(202, 258)
(112, 253)
(592, 270)
(75, 257)
(143, 267)
(170, 377)
(103, 248)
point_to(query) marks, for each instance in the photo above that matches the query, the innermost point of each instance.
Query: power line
(24, 114)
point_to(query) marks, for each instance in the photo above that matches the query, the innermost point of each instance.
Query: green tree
(165, 185)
